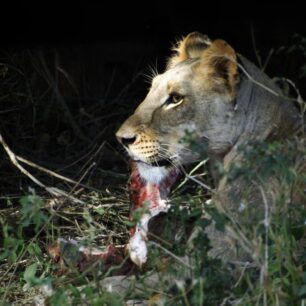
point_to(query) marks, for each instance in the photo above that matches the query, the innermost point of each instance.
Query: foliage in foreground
(277, 276)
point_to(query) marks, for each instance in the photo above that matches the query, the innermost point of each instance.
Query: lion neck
(255, 114)
(268, 113)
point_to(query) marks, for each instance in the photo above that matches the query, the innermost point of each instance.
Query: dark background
(56, 23)
(115, 31)
(76, 70)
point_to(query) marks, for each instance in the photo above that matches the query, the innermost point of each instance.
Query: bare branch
(52, 190)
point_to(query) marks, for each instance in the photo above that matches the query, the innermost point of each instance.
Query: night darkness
(148, 30)
(90, 23)
(155, 24)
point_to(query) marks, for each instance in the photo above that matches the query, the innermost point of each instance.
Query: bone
(155, 197)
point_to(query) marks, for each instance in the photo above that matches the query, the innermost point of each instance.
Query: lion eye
(174, 100)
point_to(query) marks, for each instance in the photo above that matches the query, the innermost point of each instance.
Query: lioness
(217, 96)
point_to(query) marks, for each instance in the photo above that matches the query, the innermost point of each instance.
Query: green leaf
(99, 210)
(32, 211)
(34, 249)
(29, 274)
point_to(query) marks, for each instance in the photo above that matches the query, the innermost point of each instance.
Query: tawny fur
(221, 108)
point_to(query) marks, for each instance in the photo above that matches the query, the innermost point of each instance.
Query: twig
(69, 79)
(52, 173)
(52, 190)
(171, 254)
(255, 48)
(196, 180)
(53, 82)
(299, 99)
(203, 162)
(268, 59)
(43, 169)
(262, 66)
(258, 83)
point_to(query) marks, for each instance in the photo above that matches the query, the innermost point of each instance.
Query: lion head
(201, 94)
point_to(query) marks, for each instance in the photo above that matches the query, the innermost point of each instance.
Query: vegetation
(90, 202)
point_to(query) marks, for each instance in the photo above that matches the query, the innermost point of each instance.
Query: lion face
(192, 98)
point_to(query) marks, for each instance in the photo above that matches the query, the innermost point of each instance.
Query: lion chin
(152, 174)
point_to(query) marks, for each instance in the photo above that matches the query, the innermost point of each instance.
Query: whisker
(169, 155)
(151, 73)
(154, 70)
(165, 151)
(148, 78)
(165, 145)
(173, 164)
(155, 160)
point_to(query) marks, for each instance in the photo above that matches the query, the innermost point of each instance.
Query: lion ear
(192, 46)
(221, 59)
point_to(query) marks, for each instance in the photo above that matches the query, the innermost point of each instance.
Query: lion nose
(126, 138)
(127, 141)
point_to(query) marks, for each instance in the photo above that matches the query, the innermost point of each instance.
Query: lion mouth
(163, 163)
(160, 163)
